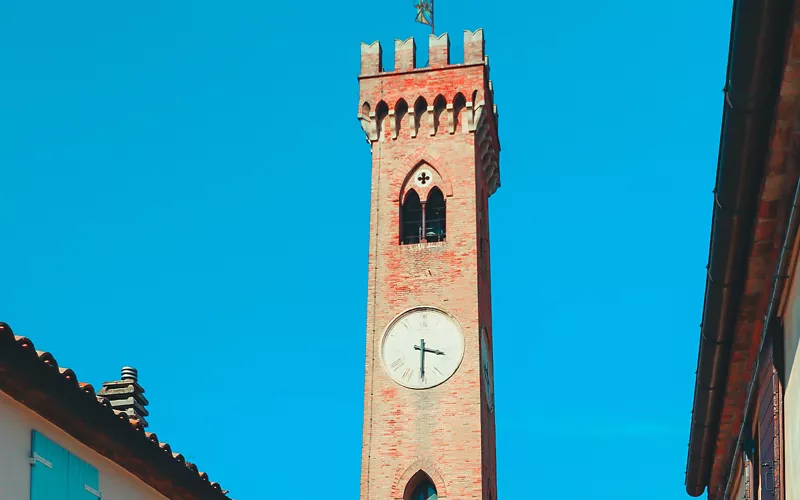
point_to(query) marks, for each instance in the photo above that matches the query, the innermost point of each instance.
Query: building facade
(745, 429)
(59, 440)
(429, 427)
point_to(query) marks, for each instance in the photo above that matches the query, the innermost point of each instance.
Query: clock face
(486, 367)
(422, 348)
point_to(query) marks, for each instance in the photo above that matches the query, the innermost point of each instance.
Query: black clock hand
(422, 350)
(428, 349)
(421, 358)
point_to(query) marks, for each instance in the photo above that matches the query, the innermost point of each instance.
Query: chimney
(127, 395)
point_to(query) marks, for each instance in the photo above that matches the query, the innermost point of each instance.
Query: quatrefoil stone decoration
(423, 178)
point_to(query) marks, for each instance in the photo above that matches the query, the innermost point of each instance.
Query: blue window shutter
(49, 469)
(83, 480)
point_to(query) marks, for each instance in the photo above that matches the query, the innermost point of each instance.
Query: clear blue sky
(185, 188)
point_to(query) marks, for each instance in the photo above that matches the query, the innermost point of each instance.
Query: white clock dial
(422, 348)
(486, 367)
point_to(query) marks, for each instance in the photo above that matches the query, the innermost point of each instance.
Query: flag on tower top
(424, 12)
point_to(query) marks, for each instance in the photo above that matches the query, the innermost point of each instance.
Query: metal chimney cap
(130, 373)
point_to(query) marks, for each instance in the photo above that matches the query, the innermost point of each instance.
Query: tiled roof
(55, 393)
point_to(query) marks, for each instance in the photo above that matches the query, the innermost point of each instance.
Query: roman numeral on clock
(397, 363)
(407, 374)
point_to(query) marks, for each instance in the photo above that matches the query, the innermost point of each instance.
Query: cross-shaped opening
(423, 178)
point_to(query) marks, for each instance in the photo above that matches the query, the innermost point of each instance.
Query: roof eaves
(56, 394)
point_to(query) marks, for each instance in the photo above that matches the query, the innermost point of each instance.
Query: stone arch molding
(414, 164)
(435, 179)
(428, 467)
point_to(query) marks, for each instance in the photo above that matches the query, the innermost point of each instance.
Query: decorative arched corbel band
(486, 149)
(369, 124)
(421, 122)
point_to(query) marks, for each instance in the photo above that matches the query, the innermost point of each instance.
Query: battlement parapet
(405, 54)
(438, 53)
(474, 47)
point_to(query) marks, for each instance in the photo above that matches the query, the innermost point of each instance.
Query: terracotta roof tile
(67, 374)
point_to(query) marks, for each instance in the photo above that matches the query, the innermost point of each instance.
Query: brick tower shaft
(435, 152)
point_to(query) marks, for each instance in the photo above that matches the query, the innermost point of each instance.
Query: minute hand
(428, 349)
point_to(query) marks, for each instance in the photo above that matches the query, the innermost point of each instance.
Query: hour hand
(428, 349)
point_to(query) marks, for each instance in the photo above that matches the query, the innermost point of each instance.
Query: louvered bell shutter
(49, 469)
(83, 480)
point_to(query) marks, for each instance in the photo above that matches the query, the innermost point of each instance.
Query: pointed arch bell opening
(435, 216)
(421, 487)
(411, 219)
(425, 491)
(423, 221)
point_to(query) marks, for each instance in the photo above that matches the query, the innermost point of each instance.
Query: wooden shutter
(83, 480)
(56, 474)
(49, 469)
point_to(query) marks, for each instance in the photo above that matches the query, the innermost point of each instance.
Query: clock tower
(429, 428)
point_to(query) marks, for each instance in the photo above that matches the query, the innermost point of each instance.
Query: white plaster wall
(791, 402)
(16, 424)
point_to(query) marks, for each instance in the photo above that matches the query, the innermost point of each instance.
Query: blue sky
(185, 188)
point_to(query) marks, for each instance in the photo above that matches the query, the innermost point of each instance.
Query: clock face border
(396, 320)
(486, 360)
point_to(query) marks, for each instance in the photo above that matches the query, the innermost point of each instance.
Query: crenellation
(371, 54)
(405, 54)
(438, 50)
(474, 46)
